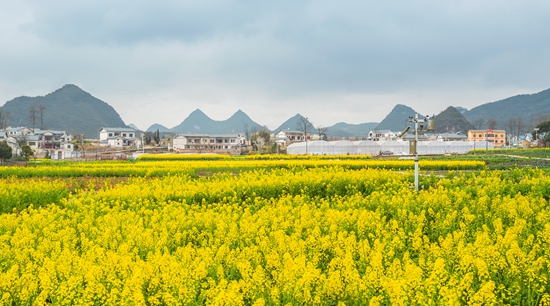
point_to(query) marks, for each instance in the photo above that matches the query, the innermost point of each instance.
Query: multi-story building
(208, 141)
(286, 137)
(117, 137)
(40, 141)
(497, 137)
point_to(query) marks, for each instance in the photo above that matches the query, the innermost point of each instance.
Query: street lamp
(474, 143)
(143, 143)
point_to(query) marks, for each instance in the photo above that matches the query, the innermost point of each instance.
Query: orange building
(497, 137)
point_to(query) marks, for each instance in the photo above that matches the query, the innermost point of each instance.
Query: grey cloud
(230, 52)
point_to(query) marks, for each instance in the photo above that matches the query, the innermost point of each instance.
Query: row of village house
(59, 142)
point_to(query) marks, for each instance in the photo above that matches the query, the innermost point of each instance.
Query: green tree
(148, 137)
(261, 139)
(156, 137)
(5, 151)
(543, 127)
(27, 151)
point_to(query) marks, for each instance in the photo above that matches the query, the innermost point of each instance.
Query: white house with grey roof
(382, 135)
(117, 137)
(39, 140)
(208, 141)
(286, 137)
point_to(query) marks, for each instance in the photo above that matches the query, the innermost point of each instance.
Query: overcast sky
(331, 61)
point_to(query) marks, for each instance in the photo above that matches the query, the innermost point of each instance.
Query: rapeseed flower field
(279, 232)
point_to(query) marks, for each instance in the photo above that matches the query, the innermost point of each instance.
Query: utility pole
(82, 144)
(305, 133)
(428, 127)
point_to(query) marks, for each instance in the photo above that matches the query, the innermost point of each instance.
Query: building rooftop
(117, 129)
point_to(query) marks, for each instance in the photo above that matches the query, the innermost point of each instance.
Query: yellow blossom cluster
(191, 167)
(159, 157)
(278, 235)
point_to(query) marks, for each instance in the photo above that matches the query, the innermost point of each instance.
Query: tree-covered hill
(451, 121)
(527, 107)
(69, 108)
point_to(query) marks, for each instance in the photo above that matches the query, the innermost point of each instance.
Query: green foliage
(27, 151)
(148, 137)
(261, 139)
(544, 127)
(5, 151)
(156, 137)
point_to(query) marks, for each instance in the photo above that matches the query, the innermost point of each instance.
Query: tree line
(261, 139)
(515, 126)
(36, 115)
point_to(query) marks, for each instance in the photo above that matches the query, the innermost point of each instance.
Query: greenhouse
(368, 147)
(319, 147)
(375, 148)
(343, 147)
(397, 147)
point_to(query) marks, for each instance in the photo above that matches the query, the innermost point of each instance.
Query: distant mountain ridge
(343, 129)
(524, 106)
(69, 108)
(199, 122)
(78, 112)
(291, 124)
(159, 127)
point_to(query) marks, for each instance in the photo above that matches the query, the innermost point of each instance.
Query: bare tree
(492, 123)
(536, 119)
(4, 117)
(511, 126)
(479, 123)
(322, 131)
(303, 125)
(40, 110)
(246, 132)
(32, 115)
(521, 126)
(515, 126)
(36, 114)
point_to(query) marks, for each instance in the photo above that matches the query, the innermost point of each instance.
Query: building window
(110, 134)
(130, 135)
(123, 134)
